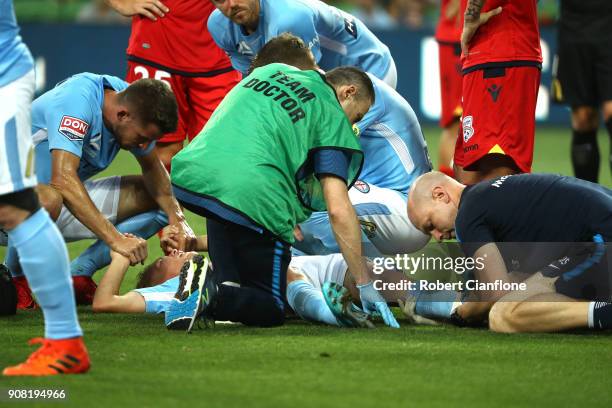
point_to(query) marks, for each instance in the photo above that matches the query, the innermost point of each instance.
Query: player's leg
(578, 88)
(498, 121)
(30, 229)
(204, 95)
(585, 149)
(261, 262)
(450, 97)
(126, 203)
(307, 300)
(604, 81)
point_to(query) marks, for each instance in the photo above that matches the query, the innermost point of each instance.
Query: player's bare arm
(344, 222)
(473, 20)
(148, 8)
(107, 298)
(157, 182)
(476, 308)
(65, 180)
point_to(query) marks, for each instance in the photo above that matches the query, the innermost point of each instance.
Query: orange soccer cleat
(25, 301)
(84, 289)
(66, 356)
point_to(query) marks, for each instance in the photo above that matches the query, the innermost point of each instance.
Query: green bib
(255, 154)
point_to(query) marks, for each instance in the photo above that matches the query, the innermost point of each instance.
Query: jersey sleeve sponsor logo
(73, 128)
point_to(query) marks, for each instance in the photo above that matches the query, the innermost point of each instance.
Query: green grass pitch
(137, 362)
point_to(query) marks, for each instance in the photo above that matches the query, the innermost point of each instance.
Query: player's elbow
(503, 318)
(101, 305)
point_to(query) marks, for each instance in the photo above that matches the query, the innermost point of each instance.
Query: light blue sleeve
(299, 21)
(220, 31)
(157, 298)
(68, 117)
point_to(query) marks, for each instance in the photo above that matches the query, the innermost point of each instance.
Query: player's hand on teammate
(372, 301)
(148, 8)
(178, 236)
(471, 25)
(132, 247)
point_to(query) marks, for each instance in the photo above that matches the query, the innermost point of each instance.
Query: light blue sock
(12, 261)
(436, 304)
(309, 303)
(97, 256)
(44, 259)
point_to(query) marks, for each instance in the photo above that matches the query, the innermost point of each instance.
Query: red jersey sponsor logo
(73, 128)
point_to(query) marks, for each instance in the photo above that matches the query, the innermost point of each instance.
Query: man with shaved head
(553, 228)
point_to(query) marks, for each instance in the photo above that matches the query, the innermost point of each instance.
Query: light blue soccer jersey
(395, 152)
(69, 117)
(15, 58)
(157, 298)
(335, 37)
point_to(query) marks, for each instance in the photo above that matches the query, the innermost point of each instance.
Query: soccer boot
(340, 302)
(66, 356)
(25, 301)
(184, 307)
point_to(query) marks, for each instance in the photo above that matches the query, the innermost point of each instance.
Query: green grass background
(137, 362)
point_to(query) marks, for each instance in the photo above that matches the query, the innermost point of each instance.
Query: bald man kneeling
(553, 228)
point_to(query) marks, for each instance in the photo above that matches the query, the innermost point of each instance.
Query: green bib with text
(255, 154)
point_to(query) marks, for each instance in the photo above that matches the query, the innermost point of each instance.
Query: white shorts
(16, 152)
(321, 269)
(105, 194)
(382, 213)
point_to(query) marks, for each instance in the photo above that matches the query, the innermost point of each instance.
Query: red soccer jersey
(179, 41)
(449, 29)
(512, 35)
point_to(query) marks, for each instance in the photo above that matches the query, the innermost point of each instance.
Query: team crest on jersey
(73, 128)
(368, 228)
(468, 129)
(362, 186)
(356, 130)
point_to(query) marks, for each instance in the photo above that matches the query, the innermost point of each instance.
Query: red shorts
(498, 115)
(450, 82)
(197, 97)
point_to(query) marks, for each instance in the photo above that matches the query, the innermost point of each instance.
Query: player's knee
(16, 207)
(584, 119)
(502, 318)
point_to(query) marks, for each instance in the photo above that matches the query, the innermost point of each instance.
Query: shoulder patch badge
(362, 186)
(73, 128)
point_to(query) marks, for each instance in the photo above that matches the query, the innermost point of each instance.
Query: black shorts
(248, 258)
(584, 272)
(584, 73)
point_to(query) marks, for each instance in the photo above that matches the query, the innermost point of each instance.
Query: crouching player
(78, 129)
(395, 153)
(32, 233)
(566, 253)
(253, 191)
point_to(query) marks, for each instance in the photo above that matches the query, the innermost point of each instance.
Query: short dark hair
(287, 49)
(152, 102)
(352, 76)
